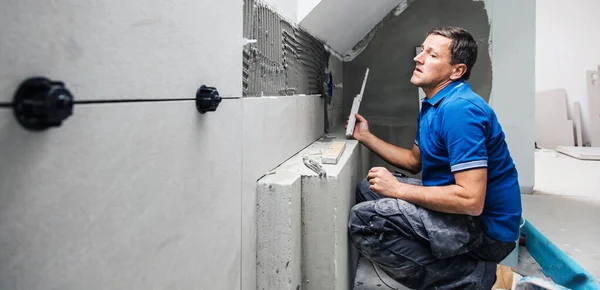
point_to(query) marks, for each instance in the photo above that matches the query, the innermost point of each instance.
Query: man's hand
(383, 182)
(361, 128)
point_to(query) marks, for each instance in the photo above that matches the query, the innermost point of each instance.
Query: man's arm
(467, 196)
(464, 134)
(409, 160)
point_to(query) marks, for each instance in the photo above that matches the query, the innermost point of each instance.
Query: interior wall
(391, 103)
(569, 44)
(514, 83)
(288, 9)
(137, 195)
(305, 7)
(342, 33)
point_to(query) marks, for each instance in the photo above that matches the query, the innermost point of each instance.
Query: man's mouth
(418, 69)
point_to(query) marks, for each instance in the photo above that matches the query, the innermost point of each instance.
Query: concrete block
(278, 264)
(328, 262)
(325, 210)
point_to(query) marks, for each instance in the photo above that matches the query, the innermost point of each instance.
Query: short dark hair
(463, 47)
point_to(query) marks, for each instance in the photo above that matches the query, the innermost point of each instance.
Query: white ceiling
(343, 23)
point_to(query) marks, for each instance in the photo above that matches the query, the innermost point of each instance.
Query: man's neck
(430, 92)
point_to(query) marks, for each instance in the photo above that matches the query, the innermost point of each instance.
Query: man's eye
(433, 55)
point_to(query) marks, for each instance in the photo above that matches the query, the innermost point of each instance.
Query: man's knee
(374, 217)
(360, 230)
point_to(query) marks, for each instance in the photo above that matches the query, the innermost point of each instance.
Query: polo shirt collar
(439, 96)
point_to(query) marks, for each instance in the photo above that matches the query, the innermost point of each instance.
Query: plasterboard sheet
(583, 153)
(554, 133)
(551, 104)
(552, 126)
(577, 121)
(594, 107)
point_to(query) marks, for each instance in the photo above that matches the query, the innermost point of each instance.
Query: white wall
(357, 18)
(305, 7)
(286, 8)
(567, 47)
(143, 195)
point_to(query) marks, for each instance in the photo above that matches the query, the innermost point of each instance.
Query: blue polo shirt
(458, 130)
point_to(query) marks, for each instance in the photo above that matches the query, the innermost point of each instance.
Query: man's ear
(458, 71)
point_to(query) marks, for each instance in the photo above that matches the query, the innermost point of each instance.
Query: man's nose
(418, 58)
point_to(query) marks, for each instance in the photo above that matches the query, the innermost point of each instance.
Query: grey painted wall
(146, 195)
(513, 94)
(390, 102)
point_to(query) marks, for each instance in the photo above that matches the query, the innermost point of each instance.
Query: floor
(565, 207)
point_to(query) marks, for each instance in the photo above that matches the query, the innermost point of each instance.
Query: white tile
(131, 196)
(274, 129)
(116, 49)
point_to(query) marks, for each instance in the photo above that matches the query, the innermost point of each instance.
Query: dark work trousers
(421, 248)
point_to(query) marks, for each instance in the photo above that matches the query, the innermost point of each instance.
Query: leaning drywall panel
(123, 196)
(274, 128)
(551, 123)
(164, 49)
(577, 122)
(553, 133)
(514, 90)
(552, 105)
(593, 91)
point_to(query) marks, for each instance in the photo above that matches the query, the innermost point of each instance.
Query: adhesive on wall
(280, 58)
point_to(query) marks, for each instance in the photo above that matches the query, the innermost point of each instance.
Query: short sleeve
(464, 131)
(418, 129)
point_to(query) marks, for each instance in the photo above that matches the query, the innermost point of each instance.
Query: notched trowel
(355, 106)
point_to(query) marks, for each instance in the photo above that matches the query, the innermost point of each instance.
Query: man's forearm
(397, 156)
(449, 199)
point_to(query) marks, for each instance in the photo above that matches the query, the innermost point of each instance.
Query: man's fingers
(372, 174)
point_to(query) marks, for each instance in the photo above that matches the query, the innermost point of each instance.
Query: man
(451, 230)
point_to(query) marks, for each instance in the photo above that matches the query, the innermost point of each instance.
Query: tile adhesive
(280, 58)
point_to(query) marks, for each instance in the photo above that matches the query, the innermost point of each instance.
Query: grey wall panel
(274, 129)
(143, 196)
(514, 89)
(117, 49)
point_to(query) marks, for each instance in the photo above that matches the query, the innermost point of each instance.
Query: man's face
(433, 63)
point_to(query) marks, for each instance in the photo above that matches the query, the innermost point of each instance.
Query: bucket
(513, 258)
